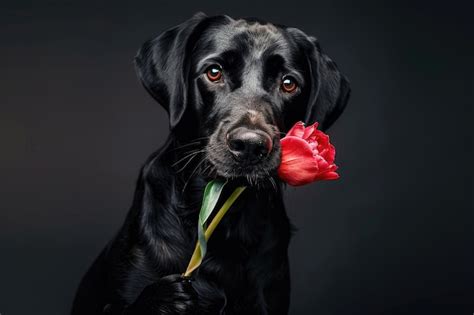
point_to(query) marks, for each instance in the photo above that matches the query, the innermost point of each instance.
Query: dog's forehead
(254, 36)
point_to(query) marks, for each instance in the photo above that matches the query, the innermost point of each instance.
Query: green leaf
(212, 193)
(211, 196)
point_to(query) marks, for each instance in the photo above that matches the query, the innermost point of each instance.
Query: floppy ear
(162, 68)
(330, 89)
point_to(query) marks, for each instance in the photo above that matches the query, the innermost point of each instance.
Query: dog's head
(239, 84)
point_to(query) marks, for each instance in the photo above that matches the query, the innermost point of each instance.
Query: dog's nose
(249, 145)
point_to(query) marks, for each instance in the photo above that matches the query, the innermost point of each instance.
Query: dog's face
(240, 84)
(245, 74)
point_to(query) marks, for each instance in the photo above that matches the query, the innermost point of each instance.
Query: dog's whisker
(185, 146)
(249, 178)
(195, 141)
(192, 174)
(212, 170)
(272, 181)
(187, 163)
(206, 169)
(191, 154)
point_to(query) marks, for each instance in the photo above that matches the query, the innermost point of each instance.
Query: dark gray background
(393, 235)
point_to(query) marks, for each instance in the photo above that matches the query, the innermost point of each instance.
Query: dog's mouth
(251, 174)
(254, 159)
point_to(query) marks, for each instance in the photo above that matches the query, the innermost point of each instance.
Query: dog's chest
(242, 254)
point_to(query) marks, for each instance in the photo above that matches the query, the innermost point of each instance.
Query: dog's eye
(288, 84)
(214, 73)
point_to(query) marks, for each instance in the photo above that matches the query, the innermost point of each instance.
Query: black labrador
(231, 88)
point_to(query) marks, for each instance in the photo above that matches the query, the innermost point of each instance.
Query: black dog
(231, 87)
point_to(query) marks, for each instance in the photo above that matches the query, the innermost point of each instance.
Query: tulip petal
(328, 154)
(308, 131)
(297, 130)
(327, 176)
(322, 138)
(315, 125)
(322, 163)
(298, 165)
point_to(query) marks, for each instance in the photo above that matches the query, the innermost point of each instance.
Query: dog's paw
(172, 294)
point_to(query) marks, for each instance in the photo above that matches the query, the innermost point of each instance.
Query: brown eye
(214, 73)
(288, 84)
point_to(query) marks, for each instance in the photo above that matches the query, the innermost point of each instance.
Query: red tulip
(306, 156)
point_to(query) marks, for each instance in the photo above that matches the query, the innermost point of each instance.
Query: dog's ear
(162, 68)
(330, 89)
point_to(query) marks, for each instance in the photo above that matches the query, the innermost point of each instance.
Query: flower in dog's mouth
(306, 156)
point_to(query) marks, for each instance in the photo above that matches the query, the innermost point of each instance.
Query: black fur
(246, 268)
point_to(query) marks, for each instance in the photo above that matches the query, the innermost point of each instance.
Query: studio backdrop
(393, 235)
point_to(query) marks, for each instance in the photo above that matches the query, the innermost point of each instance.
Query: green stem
(196, 259)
